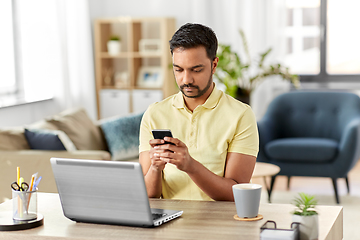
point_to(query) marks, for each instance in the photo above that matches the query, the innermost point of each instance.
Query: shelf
(121, 71)
(120, 55)
(132, 55)
(146, 54)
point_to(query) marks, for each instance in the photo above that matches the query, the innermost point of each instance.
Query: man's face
(193, 71)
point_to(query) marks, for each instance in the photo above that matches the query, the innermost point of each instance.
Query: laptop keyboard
(158, 215)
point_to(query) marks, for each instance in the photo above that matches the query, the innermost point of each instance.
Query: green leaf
(234, 72)
(263, 56)
(305, 205)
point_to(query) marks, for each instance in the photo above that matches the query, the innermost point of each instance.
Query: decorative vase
(114, 47)
(309, 226)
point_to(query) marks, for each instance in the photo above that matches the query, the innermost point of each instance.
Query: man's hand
(156, 163)
(177, 154)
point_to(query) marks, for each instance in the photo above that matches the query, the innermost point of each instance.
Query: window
(303, 36)
(322, 40)
(30, 57)
(7, 57)
(343, 37)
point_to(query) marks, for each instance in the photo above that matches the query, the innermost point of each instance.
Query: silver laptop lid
(102, 191)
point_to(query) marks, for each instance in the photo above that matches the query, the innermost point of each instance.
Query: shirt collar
(211, 102)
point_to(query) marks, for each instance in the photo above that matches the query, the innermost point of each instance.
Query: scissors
(24, 186)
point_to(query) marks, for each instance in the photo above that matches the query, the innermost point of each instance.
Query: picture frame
(149, 45)
(150, 77)
(121, 79)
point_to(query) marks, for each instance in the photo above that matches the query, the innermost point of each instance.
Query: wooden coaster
(259, 217)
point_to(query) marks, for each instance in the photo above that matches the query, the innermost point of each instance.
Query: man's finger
(154, 142)
(175, 141)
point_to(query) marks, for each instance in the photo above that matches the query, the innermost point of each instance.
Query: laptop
(107, 192)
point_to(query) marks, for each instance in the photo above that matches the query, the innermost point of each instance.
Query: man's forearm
(153, 182)
(216, 187)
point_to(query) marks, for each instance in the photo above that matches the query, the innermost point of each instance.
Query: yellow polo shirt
(221, 125)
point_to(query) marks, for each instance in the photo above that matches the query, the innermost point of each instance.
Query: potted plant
(307, 216)
(114, 45)
(241, 77)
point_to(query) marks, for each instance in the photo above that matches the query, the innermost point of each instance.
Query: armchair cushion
(302, 149)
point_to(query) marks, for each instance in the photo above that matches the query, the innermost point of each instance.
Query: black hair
(192, 35)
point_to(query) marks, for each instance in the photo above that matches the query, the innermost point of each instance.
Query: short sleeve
(246, 138)
(145, 132)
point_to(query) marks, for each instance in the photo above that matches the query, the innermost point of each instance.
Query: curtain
(77, 55)
(56, 53)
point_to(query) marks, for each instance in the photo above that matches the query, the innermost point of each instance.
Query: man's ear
(214, 64)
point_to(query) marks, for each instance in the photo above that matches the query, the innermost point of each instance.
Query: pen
(20, 183)
(37, 182)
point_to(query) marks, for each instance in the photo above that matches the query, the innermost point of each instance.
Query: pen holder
(24, 205)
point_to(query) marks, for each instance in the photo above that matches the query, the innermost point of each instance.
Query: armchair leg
(334, 180)
(347, 184)
(288, 182)
(271, 186)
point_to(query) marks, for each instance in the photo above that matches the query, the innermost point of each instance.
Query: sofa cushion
(302, 149)
(42, 124)
(13, 139)
(122, 136)
(43, 139)
(80, 129)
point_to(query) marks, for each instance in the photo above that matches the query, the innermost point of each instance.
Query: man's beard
(200, 92)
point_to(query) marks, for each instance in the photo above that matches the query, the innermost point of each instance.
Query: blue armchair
(313, 134)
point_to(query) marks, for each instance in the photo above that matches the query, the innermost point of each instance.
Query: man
(215, 135)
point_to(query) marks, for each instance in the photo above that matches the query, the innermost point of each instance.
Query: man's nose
(188, 78)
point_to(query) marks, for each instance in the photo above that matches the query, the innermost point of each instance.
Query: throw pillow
(122, 136)
(43, 139)
(80, 129)
(13, 139)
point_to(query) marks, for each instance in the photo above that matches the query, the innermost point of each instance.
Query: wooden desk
(201, 220)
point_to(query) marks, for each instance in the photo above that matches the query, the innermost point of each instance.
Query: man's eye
(178, 70)
(197, 70)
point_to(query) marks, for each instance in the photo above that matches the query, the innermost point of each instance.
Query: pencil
(32, 182)
(31, 188)
(18, 175)
(19, 200)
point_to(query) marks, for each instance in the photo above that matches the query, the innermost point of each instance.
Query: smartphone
(161, 133)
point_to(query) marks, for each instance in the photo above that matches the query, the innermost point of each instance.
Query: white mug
(247, 199)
